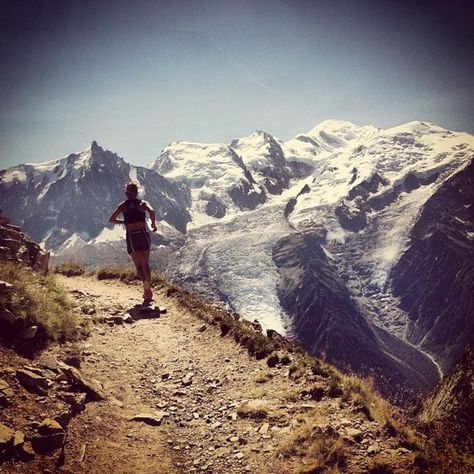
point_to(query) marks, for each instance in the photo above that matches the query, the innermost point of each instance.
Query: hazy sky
(137, 75)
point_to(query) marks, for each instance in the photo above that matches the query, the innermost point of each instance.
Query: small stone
(202, 328)
(264, 428)
(239, 455)
(61, 378)
(373, 449)
(6, 393)
(49, 427)
(216, 425)
(19, 439)
(187, 379)
(153, 419)
(64, 417)
(355, 434)
(76, 400)
(345, 422)
(127, 319)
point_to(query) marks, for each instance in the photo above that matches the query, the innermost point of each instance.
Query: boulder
(28, 332)
(7, 317)
(77, 401)
(51, 436)
(30, 380)
(46, 444)
(91, 387)
(7, 436)
(49, 427)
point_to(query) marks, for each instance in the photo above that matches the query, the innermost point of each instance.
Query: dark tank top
(132, 212)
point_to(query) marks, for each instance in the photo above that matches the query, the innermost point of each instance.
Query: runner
(138, 239)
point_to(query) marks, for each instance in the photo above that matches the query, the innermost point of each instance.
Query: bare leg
(146, 266)
(138, 261)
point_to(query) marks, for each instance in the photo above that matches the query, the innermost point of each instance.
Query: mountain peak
(265, 135)
(332, 124)
(95, 147)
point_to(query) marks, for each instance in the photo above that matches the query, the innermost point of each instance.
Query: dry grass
(128, 274)
(40, 301)
(322, 450)
(69, 269)
(116, 273)
(263, 377)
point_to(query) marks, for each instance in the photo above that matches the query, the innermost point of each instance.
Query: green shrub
(69, 269)
(117, 273)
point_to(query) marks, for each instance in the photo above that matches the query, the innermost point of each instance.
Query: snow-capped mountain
(355, 240)
(219, 181)
(66, 202)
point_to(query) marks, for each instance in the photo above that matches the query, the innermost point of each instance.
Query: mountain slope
(329, 323)
(434, 278)
(451, 404)
(219, 181)
(73, 197)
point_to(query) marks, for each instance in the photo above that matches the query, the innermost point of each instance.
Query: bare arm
(113, 218)
(146, 205)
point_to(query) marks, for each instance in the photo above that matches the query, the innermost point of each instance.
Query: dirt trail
(142, 367)
(197, 381)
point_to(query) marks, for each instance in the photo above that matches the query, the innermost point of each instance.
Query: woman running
(138, 239)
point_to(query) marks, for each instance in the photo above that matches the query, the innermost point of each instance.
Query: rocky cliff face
(434, 278)
(329, 323)
(451, 404)
(17, 248)
(265, 158)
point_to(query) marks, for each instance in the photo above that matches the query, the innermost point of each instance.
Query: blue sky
(136, 76)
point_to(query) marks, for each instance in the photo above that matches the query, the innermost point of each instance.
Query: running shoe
(148, 295)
